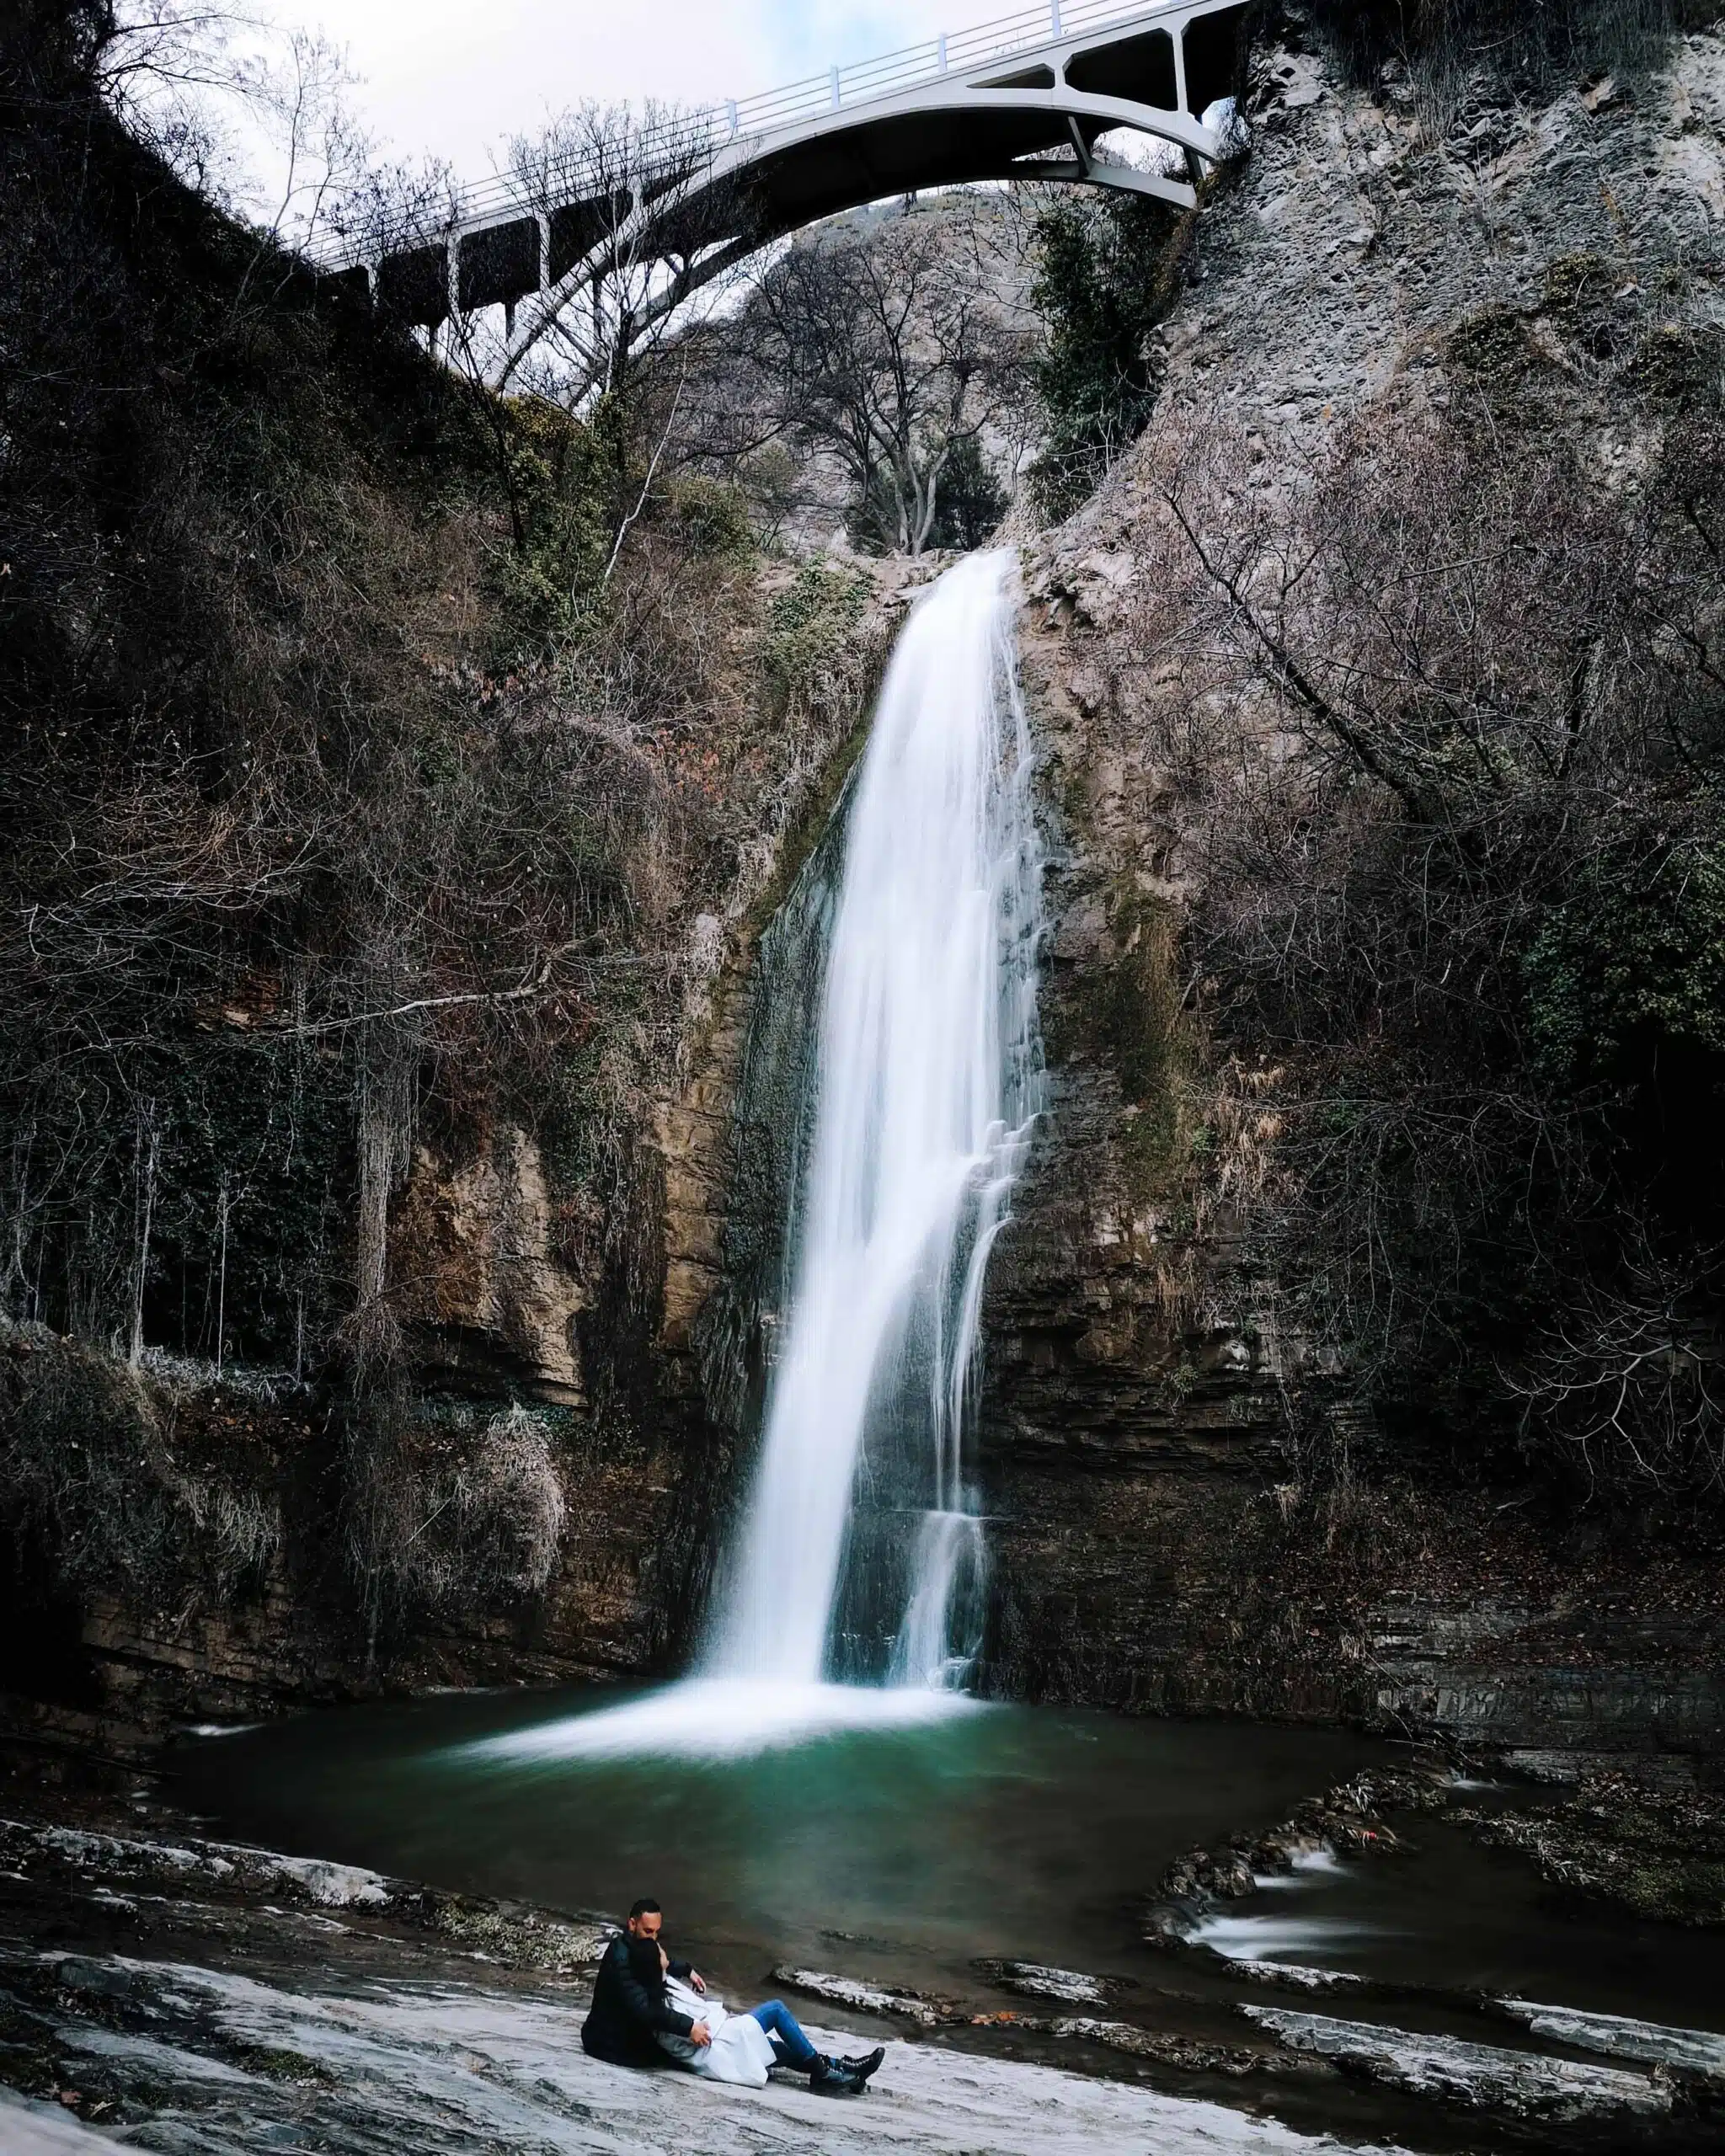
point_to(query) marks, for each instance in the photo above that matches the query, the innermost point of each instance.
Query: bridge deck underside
(843, 169)
(970, 128)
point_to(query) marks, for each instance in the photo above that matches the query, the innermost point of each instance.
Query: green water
(1016, 1832)
(902, 1855)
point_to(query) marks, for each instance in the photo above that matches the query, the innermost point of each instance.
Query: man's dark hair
(646, 1907)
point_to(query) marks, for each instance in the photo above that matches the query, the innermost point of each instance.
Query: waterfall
(860, 1553)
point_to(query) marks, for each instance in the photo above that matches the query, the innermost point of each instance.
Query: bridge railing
(703, 133)
(1049, 22)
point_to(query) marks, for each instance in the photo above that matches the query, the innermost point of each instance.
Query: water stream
(821, 1792)
(854, 1592)
(901, 1854)
(925, 1080)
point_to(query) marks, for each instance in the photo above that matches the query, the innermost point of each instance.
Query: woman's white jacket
(741, 2051)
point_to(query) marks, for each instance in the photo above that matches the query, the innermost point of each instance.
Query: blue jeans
(781, 2025)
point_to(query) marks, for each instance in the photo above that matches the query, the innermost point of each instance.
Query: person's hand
(701, 2036)
(698, 1981)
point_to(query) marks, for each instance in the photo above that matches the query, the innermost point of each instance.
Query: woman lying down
(741, 2047)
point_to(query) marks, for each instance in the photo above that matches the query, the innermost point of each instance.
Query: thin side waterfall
(860, 1554)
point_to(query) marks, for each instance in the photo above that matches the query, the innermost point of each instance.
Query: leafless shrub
(1440, 694)
(454, 1516)
(239, 1528)
(87, 1463)
(659, 224)
(1628, 1376)
(81, 1460)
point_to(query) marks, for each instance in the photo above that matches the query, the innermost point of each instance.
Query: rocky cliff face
(1151, 1551)
(619, 1341)
(1154, 1544)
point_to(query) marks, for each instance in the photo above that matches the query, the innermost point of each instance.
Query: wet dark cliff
(391, 811)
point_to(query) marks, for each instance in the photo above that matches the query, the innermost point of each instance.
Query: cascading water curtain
(862, 1554)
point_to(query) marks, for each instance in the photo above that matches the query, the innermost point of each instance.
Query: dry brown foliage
(1449, 723)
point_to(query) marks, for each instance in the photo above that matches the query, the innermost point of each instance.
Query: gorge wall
(1164, 1538)
(1155, 1546)
(1162, 1541)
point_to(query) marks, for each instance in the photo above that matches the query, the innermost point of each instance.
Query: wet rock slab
(234, 2067)
(860, 1997)
(1034, 1980)
(1697, 2051)
(216, 1889)
(1480, 2076)
(187, 1995)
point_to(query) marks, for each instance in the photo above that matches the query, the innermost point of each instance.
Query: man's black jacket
(629, 2007)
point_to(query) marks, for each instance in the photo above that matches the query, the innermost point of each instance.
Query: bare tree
(649, 226)
(641, 239)
(1451, 727)
(889, 347)
(637, 226)
(210, 87)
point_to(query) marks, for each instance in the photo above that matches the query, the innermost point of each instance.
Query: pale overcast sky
(455, 78)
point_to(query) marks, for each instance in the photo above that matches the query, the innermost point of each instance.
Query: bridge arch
(1025, 97)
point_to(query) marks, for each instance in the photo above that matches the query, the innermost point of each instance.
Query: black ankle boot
(864, 2063)
(829, 2077)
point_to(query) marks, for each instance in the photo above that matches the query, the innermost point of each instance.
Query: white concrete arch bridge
(1026, 96)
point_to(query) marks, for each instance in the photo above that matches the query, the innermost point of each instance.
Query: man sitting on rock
(630, 2013)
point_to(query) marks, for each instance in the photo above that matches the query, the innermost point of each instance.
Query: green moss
(1630, 967)
(1679, 364)
(809, 652)
(1496, 345)
(1577, 283)
(1582, 297)
(811, 627)
(1675, 1890)
(573, 1108)
(709, 518)
(1130, 1014)
(1074, 792)
(562, 480)
(1596, 309)
(279, 2065)
(1138, 1003)
(519, 1937)
(803, 833)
